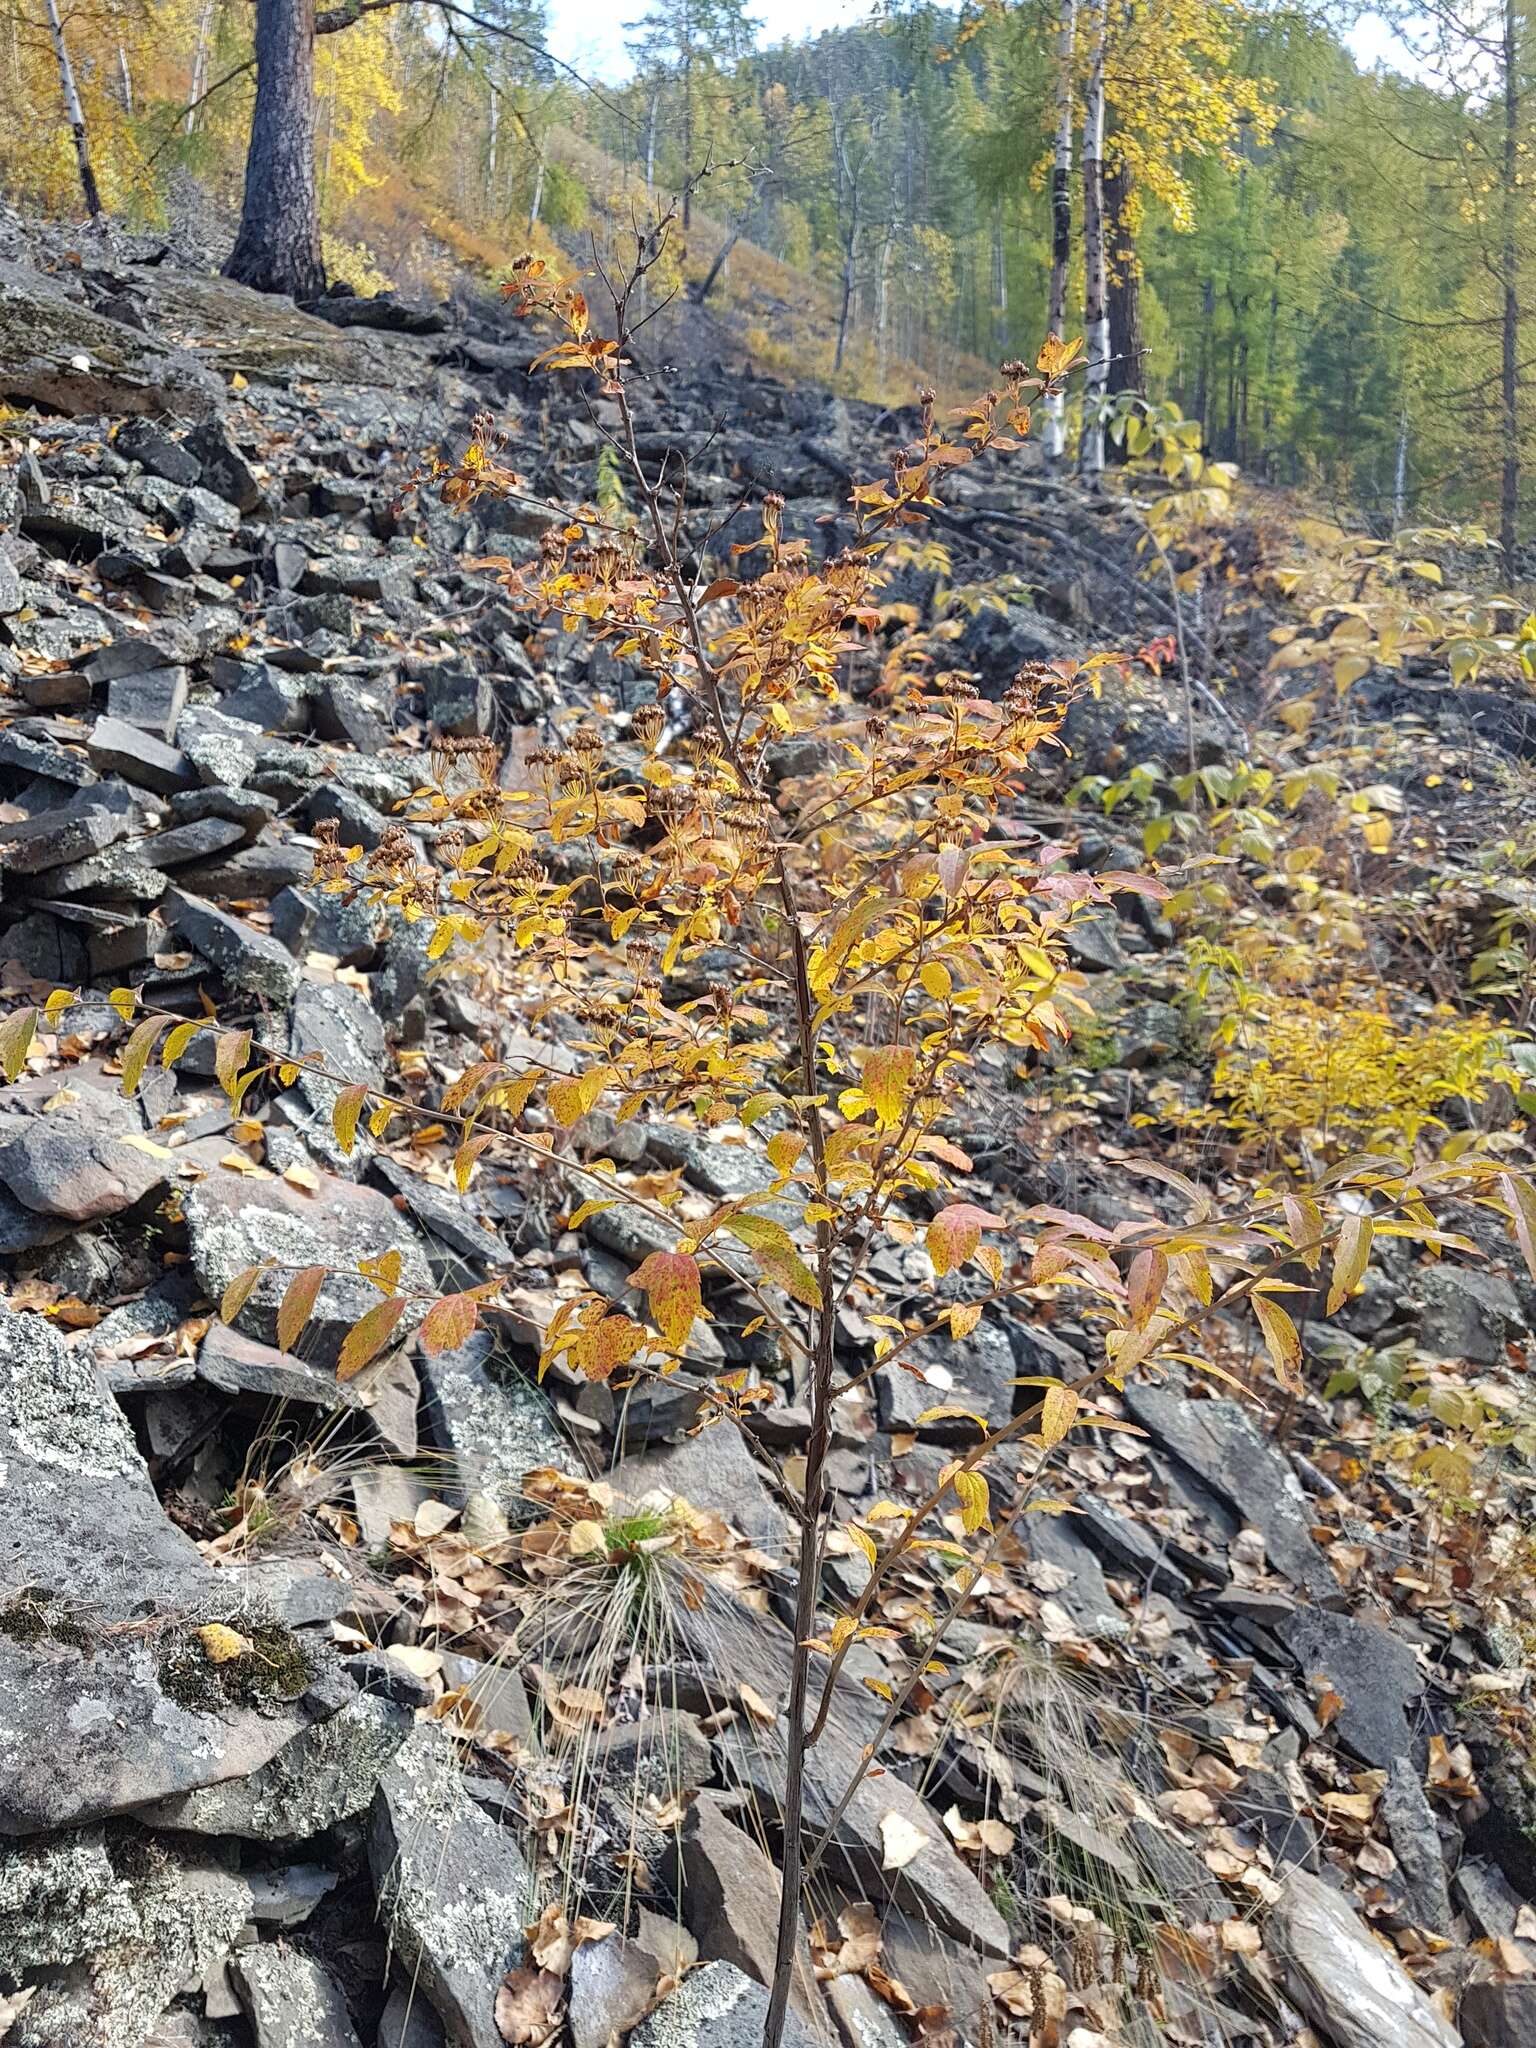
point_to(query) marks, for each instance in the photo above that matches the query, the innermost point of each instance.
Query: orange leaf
(368, 1336)
(298, 1305)
(670, 1282)
(449, 1323)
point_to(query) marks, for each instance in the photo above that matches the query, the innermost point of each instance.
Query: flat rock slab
(248, 959)
(1374, 1673)
(1223, 1445)
(104, 1589)
(730, 1894)
(65, 1165)
(712, 1470)
(60, 354)
(234, 1222)
(453, 1889)
(1347, 1984)
(290, 2001)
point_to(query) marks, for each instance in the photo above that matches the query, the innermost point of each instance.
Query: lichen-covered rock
(59, 1898)
(185, 1911)
(496, 1425)
(715, 2007)
(94, 1716)
(235, 1223)
(291, 2001)
(452, 1886)
(324, 1775)
(61, 354)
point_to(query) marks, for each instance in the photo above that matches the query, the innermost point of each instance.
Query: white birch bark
(1096, 306)
(1061, 221)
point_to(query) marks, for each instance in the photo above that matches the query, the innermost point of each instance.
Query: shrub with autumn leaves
(786, 899)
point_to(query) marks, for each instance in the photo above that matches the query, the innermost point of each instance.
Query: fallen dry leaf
(528, 2006)
(903, 1842)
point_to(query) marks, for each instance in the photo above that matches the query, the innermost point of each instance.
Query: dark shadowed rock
(1499, 2015)
(408, 2020)
(118, 748)
(453, 1890)
(1375, 1674)
(1222, 1444)
(730, 1893)
(1415, 1840)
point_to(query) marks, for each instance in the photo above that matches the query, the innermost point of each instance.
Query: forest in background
(1258, 187)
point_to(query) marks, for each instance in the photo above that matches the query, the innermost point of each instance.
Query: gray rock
(1224, 1447)
(612, 1983)
(713, 1470)
(864, 2020)
(185, 1911)
(453, 1890)
(444, 1214)
(47, 949)
(323, 1775)
(223, 751)
(1375, 1674)
(290, 2000)
(1499, 2015)
(138, 441)
(51, 839)
(1347, 1984)
(1055, 1540)
(222, 468)
(64, 1165)
(61, 355)
(715, 2007)
(334, 1024)
(233, 1363)
(117, 748)
(408, 2020)
(1415, 1840)
(730, 1894)
(152, 698)
(1467, 1314)
(247, 958)
(60, 1898)
(41, 757)
(198, 839)
(458, 699)
(286, 1898)
(235, 1223)
(497, 1425)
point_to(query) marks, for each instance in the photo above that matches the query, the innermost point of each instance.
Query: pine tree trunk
(1095, 312)
(74, 112)
(1127, 346)
(278, 246)
(1061, 223)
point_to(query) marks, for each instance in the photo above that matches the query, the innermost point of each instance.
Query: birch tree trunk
(538, 195)
(1400, 475)
(199, 83)
(73, 111)
(1061, 223)
(1096, 309)
(278, 246)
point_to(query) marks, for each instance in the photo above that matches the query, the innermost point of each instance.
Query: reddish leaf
(670, 1282)
(955, 1232)
(298, 1305)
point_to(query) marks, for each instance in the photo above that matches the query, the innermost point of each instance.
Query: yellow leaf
(221, 1644)
(136, 1052)
(16, 1035)
(1058, 1412)
(1282, 1341)
(1351, 1256)
(345, 1111)
(971, 1492)
(449, 1323)
(240, 1290)
(125, 1002)
(177, 1041)
(963, 1318)
(887, 1080)
(368, 1336)
(670, 1282)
